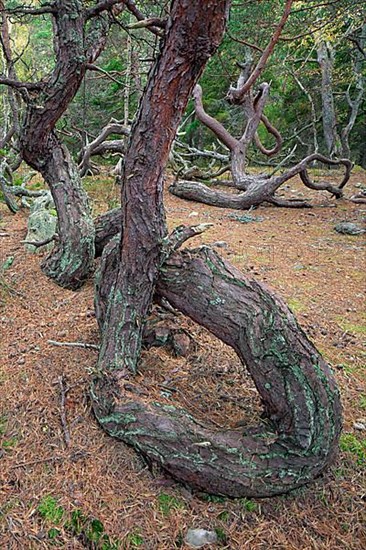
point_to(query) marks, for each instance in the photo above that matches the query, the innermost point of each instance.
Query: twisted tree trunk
(193, 33)
(300, 397)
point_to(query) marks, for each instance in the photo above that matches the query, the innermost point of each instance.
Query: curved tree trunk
(300, 397)
(78, 40)
(261, 188)
(193, 32)
(72, 259)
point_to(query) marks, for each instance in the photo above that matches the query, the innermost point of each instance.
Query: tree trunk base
(299, 394)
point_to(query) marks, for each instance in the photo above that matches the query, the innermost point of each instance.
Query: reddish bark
(193, 32)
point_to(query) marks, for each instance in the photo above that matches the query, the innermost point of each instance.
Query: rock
(192, 214)
(299, 266)
(220, 244)
(42, 223)
(41, 227)
(45, 202)
(197, 538)
(361, 426)
(181, 343)
(348, 228)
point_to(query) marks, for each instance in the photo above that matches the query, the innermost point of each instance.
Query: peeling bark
(193, 32)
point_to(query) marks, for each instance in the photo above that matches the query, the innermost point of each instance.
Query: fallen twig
(63, 391)
(73, 344)
(40, 243)
(4, 234)
(38, 461)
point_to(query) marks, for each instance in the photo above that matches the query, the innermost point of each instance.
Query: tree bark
(193, 33)
(331, 137)
(300, 397)
(71, 261)
(261, 188)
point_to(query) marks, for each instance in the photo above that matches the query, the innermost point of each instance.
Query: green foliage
(357, 447)
(362, 402)
(295, 305)
(224, 516)
(221, 535)
(168, 503)
(3, 424)
(135, 540)
(249, 505)
(77, 524)
(212, 498)
(53, 533)
(50, 510)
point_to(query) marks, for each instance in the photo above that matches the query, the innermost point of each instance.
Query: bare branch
(244, 42)
(27, 10)
(271, 130)
(236, 95)
(214, 125)
(19, 85)
(38, 244)
(114, 127)
(131, 6)
(73, 344)
(255, 113)
(181, 234)
(151, 21)
(102, 6)
(92, 67)
(301, 169)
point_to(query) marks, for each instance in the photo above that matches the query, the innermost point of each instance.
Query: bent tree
(299, 394)
(254, 189)
(142, 262)
(79, 37)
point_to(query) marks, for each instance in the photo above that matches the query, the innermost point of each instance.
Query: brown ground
(320, 274)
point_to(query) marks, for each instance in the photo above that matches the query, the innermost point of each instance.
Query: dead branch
(103, 6)
(73, 345)
(271, 130)
(63, 391)
(181, 234)
(214, 125)
(38, 244)
(236, 95)
(99, 145)
(131, 6)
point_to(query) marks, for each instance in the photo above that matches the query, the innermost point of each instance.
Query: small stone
(192, 214)
(197, 538)
(299, 266)
(348, 228)
(21, 361)
(181, 344)
(361, 426)
(220, 244)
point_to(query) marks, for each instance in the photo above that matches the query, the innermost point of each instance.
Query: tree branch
(102, 6)
(214, 125)
(236, 95)
(271, 130)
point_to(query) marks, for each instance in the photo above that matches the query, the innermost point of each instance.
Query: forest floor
(98, 493)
